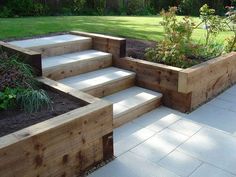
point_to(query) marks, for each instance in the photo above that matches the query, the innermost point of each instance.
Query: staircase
(69, 59)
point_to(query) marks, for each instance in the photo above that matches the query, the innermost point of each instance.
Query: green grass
(147, 28)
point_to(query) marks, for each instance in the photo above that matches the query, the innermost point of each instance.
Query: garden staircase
(69, 59)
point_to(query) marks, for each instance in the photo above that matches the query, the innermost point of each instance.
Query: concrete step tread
(74, 57)
(130, 99)
(97, 78)
(43, 41)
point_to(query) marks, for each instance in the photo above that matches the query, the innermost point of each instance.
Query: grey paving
(166, 143)
(219, 113)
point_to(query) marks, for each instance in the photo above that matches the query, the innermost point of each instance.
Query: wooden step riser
(135, 113)
(63, 48)
(111, 88)
(76, 68)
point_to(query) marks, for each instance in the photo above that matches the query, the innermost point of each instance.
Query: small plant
(7, 98)
(212, 23)
(33, 100)
(177, 44)
(229, 22)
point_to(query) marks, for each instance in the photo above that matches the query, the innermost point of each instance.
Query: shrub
(14, 8)
(212, 23)
(177, 48)
(78, 5)
(134, 7)
(177, 44)
(229, 22)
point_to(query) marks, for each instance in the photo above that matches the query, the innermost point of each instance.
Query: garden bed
(16, 119)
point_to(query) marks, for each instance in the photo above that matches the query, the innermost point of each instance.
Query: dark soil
(14, 120)
(136, 48)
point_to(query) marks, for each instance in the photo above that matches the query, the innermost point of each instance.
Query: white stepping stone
(29, 43)
(88, 55)
(95, 79)
(131, 99)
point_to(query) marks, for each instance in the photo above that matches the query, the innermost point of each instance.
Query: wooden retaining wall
(158, 77)
(65, 145)
(184, 89)
(208, 79)
(114, 45)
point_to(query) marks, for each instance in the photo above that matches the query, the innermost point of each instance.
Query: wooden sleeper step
(60, 67)
(132, 103)
(56, 45)
(102, 82)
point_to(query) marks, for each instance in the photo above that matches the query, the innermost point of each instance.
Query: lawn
(147, 28)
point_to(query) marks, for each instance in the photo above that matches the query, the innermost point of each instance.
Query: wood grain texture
(208, 79)
(112, 87)
(76, 68)
(63, 48)
(114, 45)
(62, 146)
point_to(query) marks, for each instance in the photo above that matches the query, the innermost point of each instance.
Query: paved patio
(167, 143)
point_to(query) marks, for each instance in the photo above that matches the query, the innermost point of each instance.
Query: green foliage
(177, 48)
(14, 73)
(212, 23)
(8, 97)
(78, 5)
(5, 12)
(100, 6)
(33, 100)
(16, 8)
(189, 7)
(210, 51)
(134, 7)
(229, 23)
(177, 44)
(18, 86)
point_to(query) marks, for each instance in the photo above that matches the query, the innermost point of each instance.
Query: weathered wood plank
(114, 45)
(76, 68)
(111, 88)
(63, 48)
(152, 73)
(65, 144)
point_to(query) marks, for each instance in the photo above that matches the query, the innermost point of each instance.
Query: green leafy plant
(177, 43)
(229, 22)
(8, 98)
(212, 23)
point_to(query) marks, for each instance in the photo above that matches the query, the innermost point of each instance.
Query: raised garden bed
(58, 145)
(183, 89)
(16, 119)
